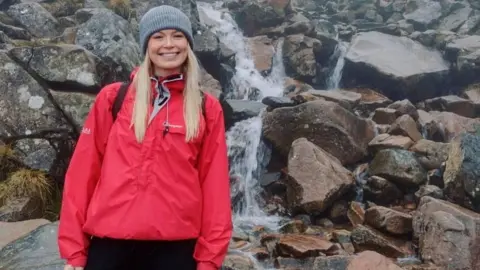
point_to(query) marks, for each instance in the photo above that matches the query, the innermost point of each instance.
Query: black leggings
(113, 254)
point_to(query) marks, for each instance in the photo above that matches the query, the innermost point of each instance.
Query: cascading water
(245, 148)
(333, 81)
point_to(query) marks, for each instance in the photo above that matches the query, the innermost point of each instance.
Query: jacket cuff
(78, 261)
(206, 266)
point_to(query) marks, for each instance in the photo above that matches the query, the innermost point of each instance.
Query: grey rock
(35, 18)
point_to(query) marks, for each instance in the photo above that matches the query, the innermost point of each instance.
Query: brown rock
(462, 172)
(262, 52)
(448, 235)
(366, 238)
(388, 220)
(455, 124)
(429, 127)
(431, 154)
(345, 99)
(370, 260)
(316, 178)
(403, 107)
(385, 141)
(302, 246)
(338, 212)
(381, 191)
(300, 61)
(343, 237)
(370, 100)
(384, 116)
(210, 84)
(10, 231)
(406, 126)
(260, 253)
(20, 209)
(399, 166)
(238, 262)
(356, 213)
(452, 103)
(324, 123)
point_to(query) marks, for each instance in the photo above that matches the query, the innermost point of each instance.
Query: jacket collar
(173, 82)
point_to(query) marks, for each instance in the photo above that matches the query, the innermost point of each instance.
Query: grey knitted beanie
(163, 17)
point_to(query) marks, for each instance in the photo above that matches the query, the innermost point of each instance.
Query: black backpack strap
(117, 104)
(204, 112)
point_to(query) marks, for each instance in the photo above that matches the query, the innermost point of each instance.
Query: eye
(178, 36)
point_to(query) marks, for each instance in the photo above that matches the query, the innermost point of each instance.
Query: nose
(168, 41)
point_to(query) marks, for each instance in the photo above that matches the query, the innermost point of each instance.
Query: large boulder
(66, 67)
(36, 250)
(464, 53)
(111, 38)
(448, 235)
(398, 66)
(35, 19)
(316, 178)
(462, 171)
(324, 123)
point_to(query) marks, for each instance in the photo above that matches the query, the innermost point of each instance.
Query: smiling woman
(150, 189)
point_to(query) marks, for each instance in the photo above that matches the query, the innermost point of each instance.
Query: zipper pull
(165, 131)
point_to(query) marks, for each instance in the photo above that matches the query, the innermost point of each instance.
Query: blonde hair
(192, 98)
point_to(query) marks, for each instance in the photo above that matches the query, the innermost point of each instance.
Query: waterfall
(245, 148)
(333, 81)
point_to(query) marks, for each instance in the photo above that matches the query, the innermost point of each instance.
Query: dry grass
(27, 183)
(9, 162)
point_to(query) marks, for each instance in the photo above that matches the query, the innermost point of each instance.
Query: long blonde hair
(192, 99)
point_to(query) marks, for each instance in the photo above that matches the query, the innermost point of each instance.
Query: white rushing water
(244, 139)
(333, 81)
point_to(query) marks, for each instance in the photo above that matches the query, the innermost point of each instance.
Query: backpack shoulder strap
(117, 103)
(204, 112)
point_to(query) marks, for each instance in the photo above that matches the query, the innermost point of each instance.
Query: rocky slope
(381, 173)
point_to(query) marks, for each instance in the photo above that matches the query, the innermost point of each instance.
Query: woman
(150, 190)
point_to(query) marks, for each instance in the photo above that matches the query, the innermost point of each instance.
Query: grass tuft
(27, 183)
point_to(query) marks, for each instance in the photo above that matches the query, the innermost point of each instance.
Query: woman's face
(167, 50)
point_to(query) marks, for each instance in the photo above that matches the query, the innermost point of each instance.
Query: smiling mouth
(169, 54)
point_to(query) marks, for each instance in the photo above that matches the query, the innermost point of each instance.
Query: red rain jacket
(163, 188)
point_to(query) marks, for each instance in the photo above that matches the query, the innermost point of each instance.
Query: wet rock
(324, 123)
(431, 191)
(346, 99)
(294, 263)
(448, 234)
(422, 13)
(405, 126)
(343, 237)
(302, 246)
(316, 178)
(338, 262)
(399, 166)
(356, 214)
(252, 16)
(37, 250)
(464, 53)
(456, 18)
(454, 124)
(384, 116)
(462, 174)
(431, 154)
(386, 141)
(338, 212)
(66, 67)
(403, 107)
(300, 60)
(365, 238)
(398, 66)
(238, 110)
(381, 191)
(388, 220)
(454, 104)
(35, 19)
(370, 100)
(370, 260)
(238, 262)
(430, 128)
(210, 85)
(277, 102)
(262, 52)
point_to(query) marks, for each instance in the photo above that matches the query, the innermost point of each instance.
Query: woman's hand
(69, 267)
